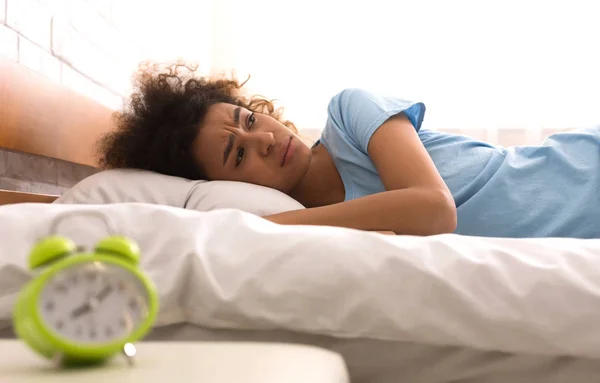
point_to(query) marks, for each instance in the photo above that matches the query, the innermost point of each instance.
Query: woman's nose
(264, 141)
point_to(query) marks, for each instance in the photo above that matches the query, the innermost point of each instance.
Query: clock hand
(104, 293)
(81, 310)
(92, 303)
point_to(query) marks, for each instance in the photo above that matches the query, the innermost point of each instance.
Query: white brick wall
(99, 29)
(76, 50)
(104, 7)
(2, 12)
(31, 19)
(36, 58)
(73, 42)
(93, 46)
(9, 43)
(80, 83)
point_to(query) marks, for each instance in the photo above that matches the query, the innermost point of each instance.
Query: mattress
(445, 308)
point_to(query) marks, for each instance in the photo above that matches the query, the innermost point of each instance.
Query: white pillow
(255, 199)
(132, 185)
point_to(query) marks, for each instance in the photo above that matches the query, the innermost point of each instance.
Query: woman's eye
(239, 157)
(251, 121)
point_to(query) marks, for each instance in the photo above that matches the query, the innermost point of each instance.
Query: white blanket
(229, 269)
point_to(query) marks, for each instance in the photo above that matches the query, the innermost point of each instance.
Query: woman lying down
(373, 168)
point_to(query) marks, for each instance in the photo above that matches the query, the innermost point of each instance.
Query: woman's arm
(416, 200)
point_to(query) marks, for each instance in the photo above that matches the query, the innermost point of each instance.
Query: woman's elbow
(445, 215)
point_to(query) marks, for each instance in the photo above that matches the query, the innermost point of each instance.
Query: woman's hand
(411, 211)
(289, 218)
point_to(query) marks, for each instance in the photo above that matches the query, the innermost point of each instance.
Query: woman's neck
(322, 184)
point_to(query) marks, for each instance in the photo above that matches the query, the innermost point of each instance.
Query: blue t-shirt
(551, 190)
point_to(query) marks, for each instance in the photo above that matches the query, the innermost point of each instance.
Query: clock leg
(129, 352)
(58, 359)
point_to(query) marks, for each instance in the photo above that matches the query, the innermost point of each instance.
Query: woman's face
(235, 144)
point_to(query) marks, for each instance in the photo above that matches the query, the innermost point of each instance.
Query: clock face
(93, 302)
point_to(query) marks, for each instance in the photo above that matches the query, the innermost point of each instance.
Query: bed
(434, 309)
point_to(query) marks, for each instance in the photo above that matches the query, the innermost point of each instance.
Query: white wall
(93, 46)
(508, 71)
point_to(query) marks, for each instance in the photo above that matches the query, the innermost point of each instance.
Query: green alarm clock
(84, 307)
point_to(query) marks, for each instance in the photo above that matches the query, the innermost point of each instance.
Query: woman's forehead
(216, 128)
(209, 146)
(220, 114)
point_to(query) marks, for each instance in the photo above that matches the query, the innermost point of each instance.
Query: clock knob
(120, 246)
(49, 250)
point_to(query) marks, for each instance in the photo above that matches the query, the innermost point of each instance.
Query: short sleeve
(359, 113)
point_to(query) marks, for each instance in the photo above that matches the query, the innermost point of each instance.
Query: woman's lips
(287, 154)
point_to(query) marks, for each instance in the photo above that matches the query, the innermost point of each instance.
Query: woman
(374, 168)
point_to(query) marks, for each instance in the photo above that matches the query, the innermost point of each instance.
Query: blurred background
(510, 72)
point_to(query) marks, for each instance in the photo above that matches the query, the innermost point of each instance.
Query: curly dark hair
(158, 124)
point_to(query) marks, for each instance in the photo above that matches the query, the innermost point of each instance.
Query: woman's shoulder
(349, 96)
(357, 113)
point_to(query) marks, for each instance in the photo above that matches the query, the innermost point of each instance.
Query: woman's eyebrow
(230, 141)
(228, 148)
(236, 116)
